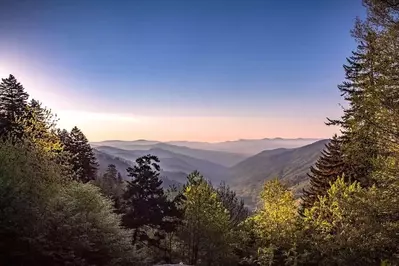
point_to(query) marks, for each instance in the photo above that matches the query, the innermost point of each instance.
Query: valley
(286, 159)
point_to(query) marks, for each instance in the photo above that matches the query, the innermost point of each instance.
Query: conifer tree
(146, 206)
(39, 125)
(81, 155)
(235, 206)
(111, 185)
(360, 138)
(327, 169)
(13, 102)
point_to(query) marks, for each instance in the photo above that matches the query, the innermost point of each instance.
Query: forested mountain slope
(104, 159)
(173, 164)
(289, 165)
(219, 157)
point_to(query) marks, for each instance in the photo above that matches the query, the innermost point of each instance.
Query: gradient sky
(208, 70)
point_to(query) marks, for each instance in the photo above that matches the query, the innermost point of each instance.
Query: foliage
(327, 169)
(13, 101)
(146, 208)
(47, 219)
(290, 165)
(354, 226)
(112, 185)
(81, 156)
(205, 231)
(276, 224)
(234, 205)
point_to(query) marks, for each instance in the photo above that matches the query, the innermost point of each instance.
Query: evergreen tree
(360, 139)
(235, 206)
(146, 208)
(13, 102)
(327, 169)
(111, 185)
(81, 156)
(39, 125)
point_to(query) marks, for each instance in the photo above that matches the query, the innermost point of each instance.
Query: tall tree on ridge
(360, 138)
(82, 158)
(13, 102)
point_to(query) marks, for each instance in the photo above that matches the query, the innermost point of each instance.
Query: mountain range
(245, 170)
(244, 147)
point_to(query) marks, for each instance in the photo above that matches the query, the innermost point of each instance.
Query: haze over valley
(199, 132)
(243, 164)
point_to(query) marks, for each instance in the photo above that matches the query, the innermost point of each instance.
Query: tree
(146, 208)
(48, 219)
(360, 139)
(235, 206)
(275, 224)
(13, 102)
(39, 125)
(206, 231)
(327, 169)
(81, 155)
(353, 225)
(111, 185)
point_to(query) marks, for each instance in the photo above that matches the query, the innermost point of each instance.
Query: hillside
(289, 165)
(247, 146)
(104, 159)
(174, 164)
(219, 157)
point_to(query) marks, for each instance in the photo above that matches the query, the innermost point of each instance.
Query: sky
(203, 70)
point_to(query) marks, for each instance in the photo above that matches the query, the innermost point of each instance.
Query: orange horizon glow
(97, 125)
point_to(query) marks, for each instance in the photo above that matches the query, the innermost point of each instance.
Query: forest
(58, 208)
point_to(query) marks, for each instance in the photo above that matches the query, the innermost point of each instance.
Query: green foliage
(276, 225)
(205, 232)
(235, 206)
(327, 169)
(354, 226)
(81, 156)
(47, 219)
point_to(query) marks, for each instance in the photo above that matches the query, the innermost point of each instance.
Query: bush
(47, 219)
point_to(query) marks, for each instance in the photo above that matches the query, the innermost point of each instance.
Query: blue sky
(166, 63)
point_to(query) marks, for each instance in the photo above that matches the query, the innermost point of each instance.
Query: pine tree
(13, 102)
(111, 185)
(235, 206)
(39, 125)
(327, 169)
(146, 206)
(360, 138)
(81, 155)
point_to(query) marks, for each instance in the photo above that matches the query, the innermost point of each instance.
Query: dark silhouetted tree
(81, 155)
(146, 206)
(235, 206)
(13, 102)
(327, 169)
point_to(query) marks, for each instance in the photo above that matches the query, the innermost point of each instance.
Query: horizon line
(168, 141)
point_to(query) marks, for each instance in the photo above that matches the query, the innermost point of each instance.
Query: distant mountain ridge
(172, 162)
(223, 158)
(244, 147)
(243, 172)
(105, 159)
(289, 165)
